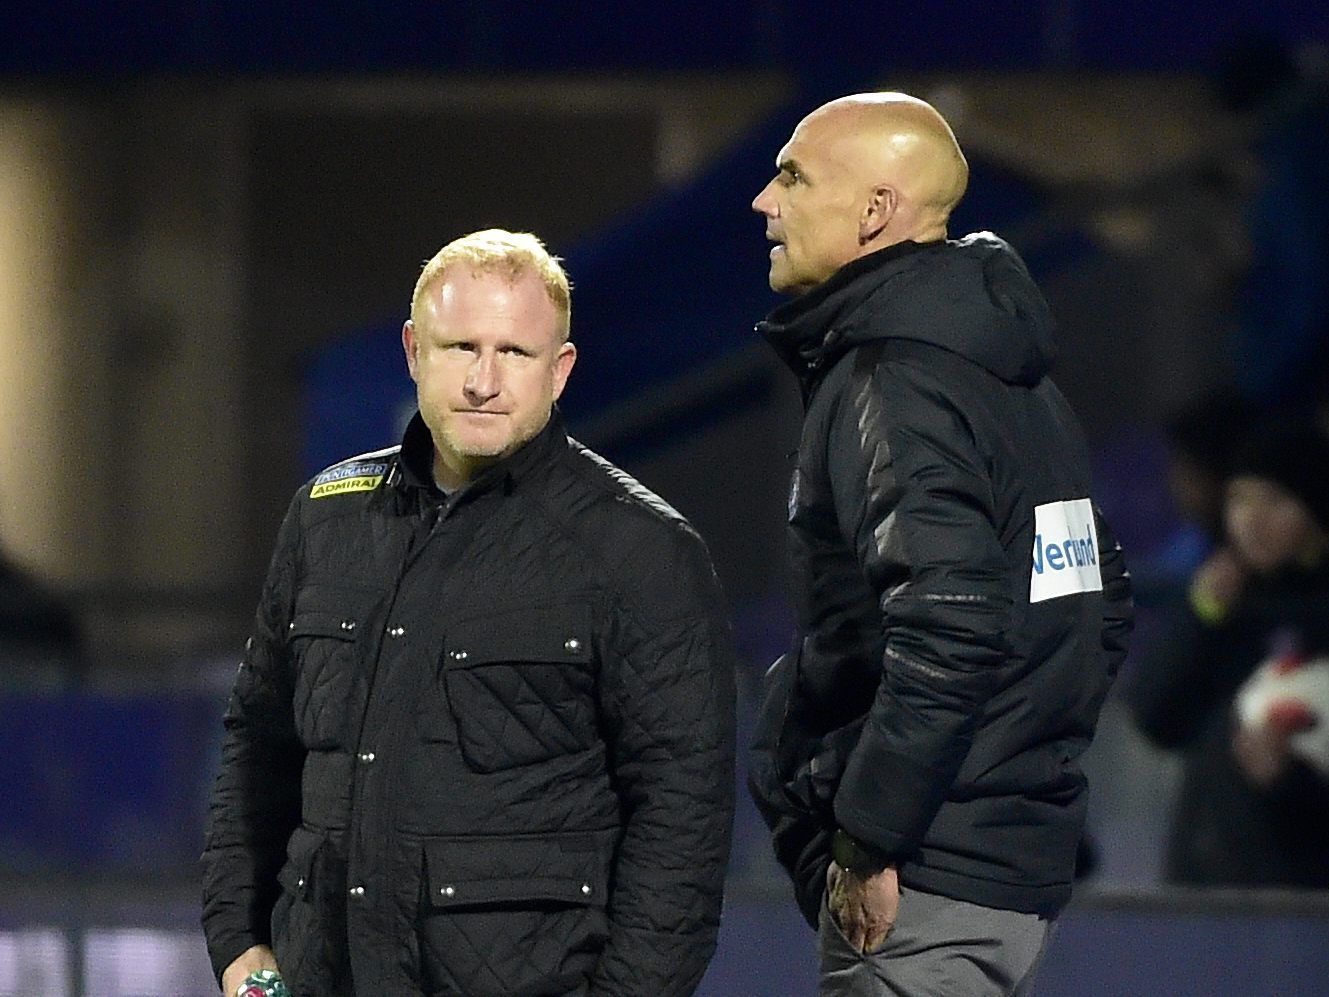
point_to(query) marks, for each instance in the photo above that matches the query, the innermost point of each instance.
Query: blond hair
(509, 254)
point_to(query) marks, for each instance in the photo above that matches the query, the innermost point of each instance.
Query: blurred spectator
(37, 627)
(1281, 340)
(1199, 453)
(1251, 811)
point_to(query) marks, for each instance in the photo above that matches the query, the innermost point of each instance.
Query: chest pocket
(323, 647)
(520, 686)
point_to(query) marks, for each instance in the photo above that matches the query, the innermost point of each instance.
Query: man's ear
(411, 345)
(877, 213)
(567, 356)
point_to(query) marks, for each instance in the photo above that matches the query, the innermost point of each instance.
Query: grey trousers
(938, 948)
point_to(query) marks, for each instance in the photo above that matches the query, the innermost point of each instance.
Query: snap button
(448, 891)
(348, 624)
(367, 756)
(586, 888)
(300, 882)
(572, 645)
(290, 626)
(459, 655)
(397, 631)
(357, 891)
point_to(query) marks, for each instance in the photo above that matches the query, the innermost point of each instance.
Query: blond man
(481, 742)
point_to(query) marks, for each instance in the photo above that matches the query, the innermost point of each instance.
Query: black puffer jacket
(483, 743)
(945, 681)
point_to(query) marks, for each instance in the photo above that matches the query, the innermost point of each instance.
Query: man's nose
(482, 380)
(761, 202)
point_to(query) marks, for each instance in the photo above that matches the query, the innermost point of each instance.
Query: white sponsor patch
(1065, 551)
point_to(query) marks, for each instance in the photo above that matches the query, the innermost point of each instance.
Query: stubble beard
(468, 446)
(487, 449)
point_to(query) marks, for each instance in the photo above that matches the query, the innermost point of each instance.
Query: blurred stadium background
(211, 217)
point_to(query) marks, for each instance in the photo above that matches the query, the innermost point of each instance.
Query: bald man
(963, 606)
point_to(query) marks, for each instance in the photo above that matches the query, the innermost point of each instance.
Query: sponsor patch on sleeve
(344, 478)
(1065, 551)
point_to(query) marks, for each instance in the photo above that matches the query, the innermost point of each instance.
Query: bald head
(859, 174)
(894, 140)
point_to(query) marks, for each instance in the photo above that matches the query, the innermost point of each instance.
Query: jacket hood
(972, 296)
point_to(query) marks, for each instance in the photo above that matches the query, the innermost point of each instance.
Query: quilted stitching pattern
(507, 951)
(517, 714)
(323, 674)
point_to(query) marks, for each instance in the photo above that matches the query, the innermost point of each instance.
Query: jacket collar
(972, 297)
(802, 331)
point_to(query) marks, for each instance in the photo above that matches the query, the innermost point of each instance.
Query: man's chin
(783, 284)
(485, 451)
(482, 448)
(782, 281)
(489, 447)
(479, 447)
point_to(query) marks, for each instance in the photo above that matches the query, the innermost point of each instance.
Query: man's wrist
(251, 960)
(858, 857)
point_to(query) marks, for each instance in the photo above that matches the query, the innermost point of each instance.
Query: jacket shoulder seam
(598, 476)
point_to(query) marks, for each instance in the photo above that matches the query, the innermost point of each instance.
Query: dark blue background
(299, 36)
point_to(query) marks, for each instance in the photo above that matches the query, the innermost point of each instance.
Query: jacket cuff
(857, 856)
(886, 801)
(226, 949)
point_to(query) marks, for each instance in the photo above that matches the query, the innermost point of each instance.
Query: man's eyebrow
(789, 165)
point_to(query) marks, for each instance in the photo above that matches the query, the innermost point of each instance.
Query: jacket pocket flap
(315, 623)
(533, 633)
(297, 874)
(497, 869)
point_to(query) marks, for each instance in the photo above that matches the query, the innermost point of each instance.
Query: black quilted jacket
(478, 745)
(963, 606)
